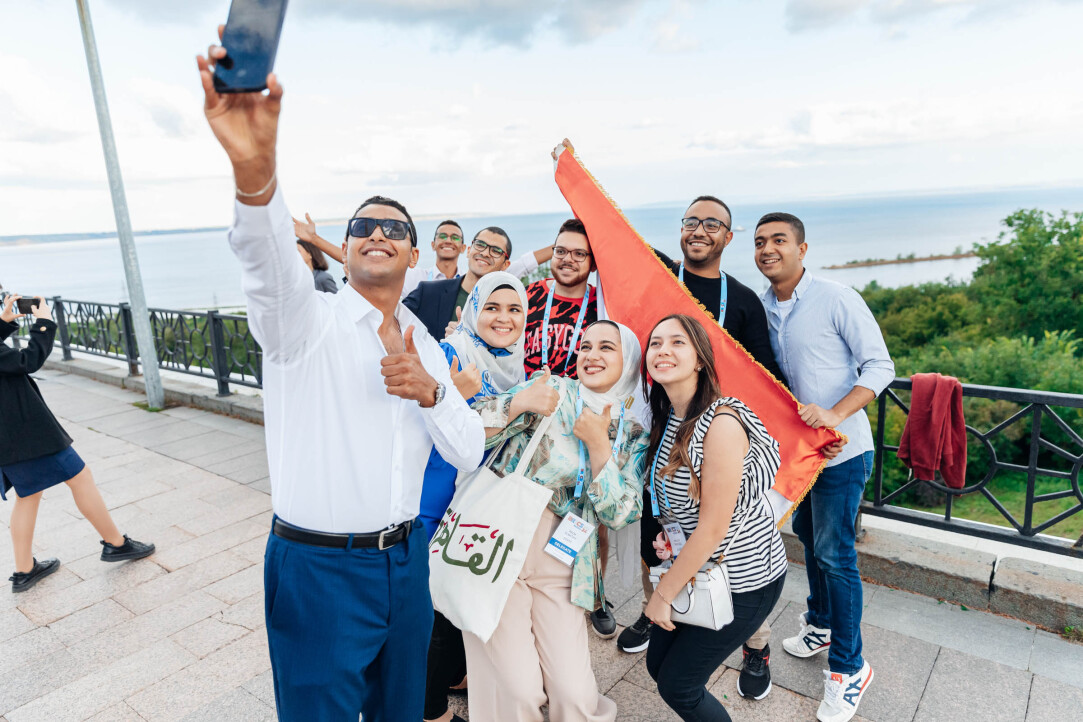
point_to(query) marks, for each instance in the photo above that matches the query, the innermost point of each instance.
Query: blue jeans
(824, 522)
(348, 630)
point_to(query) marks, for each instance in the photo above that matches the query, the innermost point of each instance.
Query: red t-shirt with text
(562, 320)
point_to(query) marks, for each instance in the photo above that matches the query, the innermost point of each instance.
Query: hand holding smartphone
(26, 305)
(251, 42)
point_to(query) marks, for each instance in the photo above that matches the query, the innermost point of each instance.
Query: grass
(1073, 634)
(1010, 490)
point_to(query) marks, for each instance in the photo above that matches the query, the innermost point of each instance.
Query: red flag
(639, 290)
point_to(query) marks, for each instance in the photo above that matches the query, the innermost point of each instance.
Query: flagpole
(144, 338)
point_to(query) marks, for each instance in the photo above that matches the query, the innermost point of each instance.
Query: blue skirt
(30, 477)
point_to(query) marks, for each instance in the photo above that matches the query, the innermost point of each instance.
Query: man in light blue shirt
(833, 353)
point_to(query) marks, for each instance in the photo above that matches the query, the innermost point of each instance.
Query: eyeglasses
(711, 225)
(454, 237)
(578, 254)
(393, 229)
(482, 247)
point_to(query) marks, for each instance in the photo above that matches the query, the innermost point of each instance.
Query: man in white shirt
(347, 603)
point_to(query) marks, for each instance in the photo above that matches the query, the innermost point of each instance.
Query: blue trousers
(348, 630)
(824, 522)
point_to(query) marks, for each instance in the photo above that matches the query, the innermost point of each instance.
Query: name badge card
(676, 537)
(568, 539)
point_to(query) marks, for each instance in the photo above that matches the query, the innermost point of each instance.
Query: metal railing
(1042, 453)
(199, 343)
(220, 346)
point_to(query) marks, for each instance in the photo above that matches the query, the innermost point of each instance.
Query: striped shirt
(757, 557)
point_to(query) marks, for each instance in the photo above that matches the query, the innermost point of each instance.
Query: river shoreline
(893, 261)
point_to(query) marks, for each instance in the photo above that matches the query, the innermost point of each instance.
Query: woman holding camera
(36, 453)
(712, 460)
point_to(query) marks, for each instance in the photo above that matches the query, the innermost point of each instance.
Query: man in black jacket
(36, 453)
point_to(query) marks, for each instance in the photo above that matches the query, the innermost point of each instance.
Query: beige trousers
(759, 638)
(539, 650)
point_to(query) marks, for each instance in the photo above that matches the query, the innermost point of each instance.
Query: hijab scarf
(501, 368)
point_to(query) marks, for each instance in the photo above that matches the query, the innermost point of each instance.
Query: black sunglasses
(393, 229)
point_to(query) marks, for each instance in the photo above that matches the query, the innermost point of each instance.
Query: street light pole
(140, 316)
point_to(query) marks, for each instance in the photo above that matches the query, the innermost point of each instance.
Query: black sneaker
(130, 549)
(636, 637)
(21, 581)
(602, 622)
(755, 679)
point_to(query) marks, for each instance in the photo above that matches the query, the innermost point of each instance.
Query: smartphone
(251, 41)
(26, 305)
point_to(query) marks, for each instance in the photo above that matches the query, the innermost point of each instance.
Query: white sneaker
(809, 641)
(842, 694)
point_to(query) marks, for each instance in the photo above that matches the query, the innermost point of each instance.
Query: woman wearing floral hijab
(592, 458)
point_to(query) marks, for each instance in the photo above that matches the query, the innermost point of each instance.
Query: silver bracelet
(260, 192)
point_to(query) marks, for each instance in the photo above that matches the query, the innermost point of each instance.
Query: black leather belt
(379, 539)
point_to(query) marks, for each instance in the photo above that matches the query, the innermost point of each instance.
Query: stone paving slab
(180, 636)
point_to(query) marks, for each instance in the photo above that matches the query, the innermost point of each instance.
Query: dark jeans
(348, 629)
(824, 522)
(447, 665)
(683, 660)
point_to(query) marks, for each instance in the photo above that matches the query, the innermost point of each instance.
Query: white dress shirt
(344, 455)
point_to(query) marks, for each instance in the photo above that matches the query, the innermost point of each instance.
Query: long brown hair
(706, 392)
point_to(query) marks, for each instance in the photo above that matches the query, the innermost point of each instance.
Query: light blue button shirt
(826, 345)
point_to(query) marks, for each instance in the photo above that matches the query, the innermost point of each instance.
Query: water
(196, 269)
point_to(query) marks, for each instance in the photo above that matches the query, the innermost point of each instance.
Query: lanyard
(654, 465)
(723, 293)
(575, 333)
(582, 476)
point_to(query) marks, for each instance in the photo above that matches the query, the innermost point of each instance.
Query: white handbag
(706, 600)
(483, 539)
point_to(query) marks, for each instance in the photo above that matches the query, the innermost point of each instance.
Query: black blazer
(28, 429)
(434, 303)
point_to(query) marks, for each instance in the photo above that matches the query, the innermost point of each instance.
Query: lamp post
(140, 316)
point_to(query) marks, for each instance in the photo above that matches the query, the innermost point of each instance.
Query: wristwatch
(439, 393)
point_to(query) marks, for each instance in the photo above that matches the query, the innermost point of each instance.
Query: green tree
(1030, 280)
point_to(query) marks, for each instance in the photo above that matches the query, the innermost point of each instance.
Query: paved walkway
(180, 636)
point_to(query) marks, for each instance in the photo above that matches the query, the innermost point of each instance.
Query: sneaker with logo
(636, 637)
(755, 678)
(843, 693)
(809, 641)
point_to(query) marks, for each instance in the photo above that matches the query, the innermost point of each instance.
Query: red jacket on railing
(934, 438)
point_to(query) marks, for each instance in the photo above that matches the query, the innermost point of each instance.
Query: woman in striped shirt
(712, 462)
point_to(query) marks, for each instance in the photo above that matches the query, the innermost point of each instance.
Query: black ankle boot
(130, 549)
(21, 581)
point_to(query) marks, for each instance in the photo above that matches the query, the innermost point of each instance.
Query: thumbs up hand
(452, 325)
(467, 380)
(593, 429)
(405, 376)
(538, 398)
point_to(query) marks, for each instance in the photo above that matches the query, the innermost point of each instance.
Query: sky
(452, 106)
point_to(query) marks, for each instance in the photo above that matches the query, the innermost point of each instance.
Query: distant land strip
(892, 261)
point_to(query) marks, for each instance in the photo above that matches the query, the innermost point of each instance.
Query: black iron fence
(200, 343)
(1025, 465)
(1027, 460)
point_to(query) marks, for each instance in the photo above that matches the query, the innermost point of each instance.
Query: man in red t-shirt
(569, 301)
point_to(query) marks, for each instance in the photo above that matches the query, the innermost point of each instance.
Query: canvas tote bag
(482, 541)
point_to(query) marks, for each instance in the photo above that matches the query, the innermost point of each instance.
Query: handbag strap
(748, 515)
(532, 447)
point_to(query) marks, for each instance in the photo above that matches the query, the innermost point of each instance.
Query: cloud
(859, 126)
(814, 14)
(500, 22)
